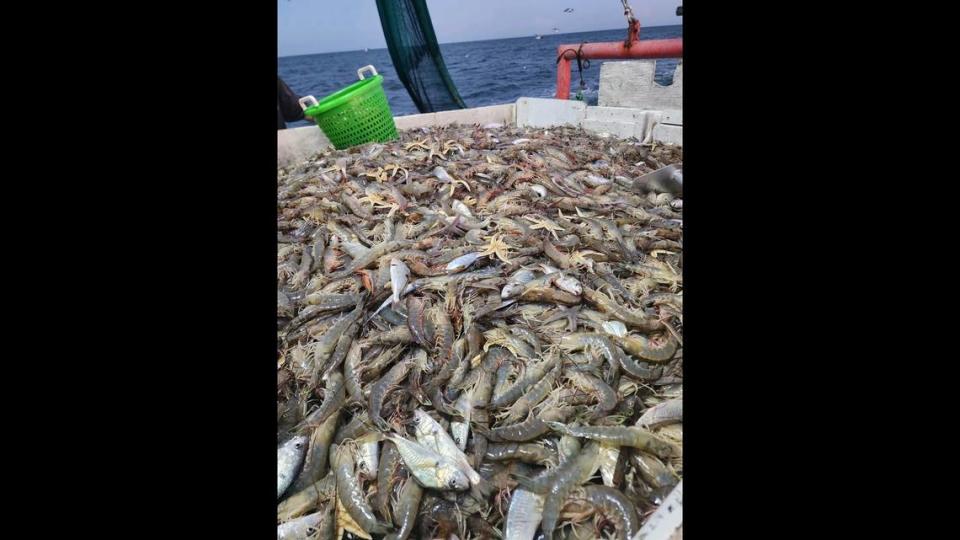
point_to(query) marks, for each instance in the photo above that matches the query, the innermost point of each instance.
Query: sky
(317, 26)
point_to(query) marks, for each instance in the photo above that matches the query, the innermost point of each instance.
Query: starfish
(377, 201)
(572, 314)
(397, 168)
(453, 185)
(544, 223)
(450, 146)
(496, 246)
(418, 144)
(580, 259)
(434, 152)
(380, 175)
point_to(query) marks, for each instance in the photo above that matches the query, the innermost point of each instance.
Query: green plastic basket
(358, 114)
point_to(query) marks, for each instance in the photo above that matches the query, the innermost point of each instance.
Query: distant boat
(366, 50)
(555, 30)
(539, 36)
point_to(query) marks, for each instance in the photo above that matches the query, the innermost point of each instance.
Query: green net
(416, 55)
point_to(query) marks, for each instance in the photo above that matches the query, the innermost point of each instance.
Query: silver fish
(462, 262)
(524, 515)
(569, 284)
(289, 460)
(431, 469)
(461, 430)
(373, 151)
(475, 236)
(442, 174)
(432, 435)
(399, 274)
(615, 328)
(356, 250)
(368, 455)
(539, 190)
(301, 527)
(516, 283)
(461, 209)
(661, 414)
(607, 462)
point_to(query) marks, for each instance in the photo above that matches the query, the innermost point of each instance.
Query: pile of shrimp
(480, 335)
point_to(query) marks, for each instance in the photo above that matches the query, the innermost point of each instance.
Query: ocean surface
(485, 72)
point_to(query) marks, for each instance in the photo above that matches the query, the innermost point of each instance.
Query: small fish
(462, 209)
(301, 527)
(462, 262)
(430, 468)
(615, 328)
(569, 284)
(368, 455)
(442, 174)
(539, 190)
(432, 435)
(516, 283)
(461, 430)
(289, 460)
(521, 141)
(399, 274)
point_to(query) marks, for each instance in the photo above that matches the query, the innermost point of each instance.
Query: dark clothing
(288, 107)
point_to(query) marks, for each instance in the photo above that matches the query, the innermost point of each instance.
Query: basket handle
(305, 102)
(366, 68)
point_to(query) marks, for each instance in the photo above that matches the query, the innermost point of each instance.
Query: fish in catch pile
(479, 336)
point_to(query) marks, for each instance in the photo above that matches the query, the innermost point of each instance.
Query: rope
(582, 64)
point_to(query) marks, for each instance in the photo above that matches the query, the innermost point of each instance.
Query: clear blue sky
(316, 26)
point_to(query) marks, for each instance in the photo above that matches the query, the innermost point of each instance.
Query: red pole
(563, 76)
(649, 48)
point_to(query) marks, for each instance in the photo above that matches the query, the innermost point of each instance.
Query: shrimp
(620, 435)
(379, 391)
(655, 349)
(352, 496)
(536, 454)
(308, 498)
(351, 373)
(315, 463)
(534, 396)
(606, 305)
(407, 507)
(332, 402)
(668, 412)
(612, 353)
(616, 507)
(607, 398)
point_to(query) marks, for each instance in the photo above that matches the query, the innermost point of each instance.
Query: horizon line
(478, 40)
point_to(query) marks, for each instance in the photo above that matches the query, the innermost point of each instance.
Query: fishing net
(416, 55)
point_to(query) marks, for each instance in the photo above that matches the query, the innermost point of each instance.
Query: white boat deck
(630, 104)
